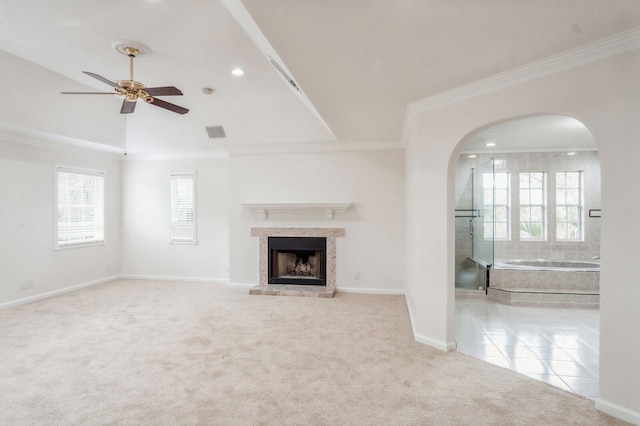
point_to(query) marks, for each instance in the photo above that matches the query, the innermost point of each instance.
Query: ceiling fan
(132, 90)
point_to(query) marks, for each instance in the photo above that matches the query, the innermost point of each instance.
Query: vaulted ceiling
(357, 63)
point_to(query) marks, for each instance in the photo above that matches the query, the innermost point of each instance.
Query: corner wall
(605, 97)
(370, 257)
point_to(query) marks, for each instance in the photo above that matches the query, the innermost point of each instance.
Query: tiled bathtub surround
(550, 288)
(265, 288)
(546, 280)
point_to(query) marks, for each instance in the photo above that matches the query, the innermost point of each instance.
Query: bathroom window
(569, 206)
(532, 206)
(79, 207)
(497, 220)
(183, 208)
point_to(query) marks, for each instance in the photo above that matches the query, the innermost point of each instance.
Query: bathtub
(565, 283)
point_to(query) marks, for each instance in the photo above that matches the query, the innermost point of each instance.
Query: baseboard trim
(387, 291)
(425, 340)
(438, 344)
(618, 411)
(174, 278)
(246, 286)
(57, 292)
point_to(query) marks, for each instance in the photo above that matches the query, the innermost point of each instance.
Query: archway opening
(527, 235)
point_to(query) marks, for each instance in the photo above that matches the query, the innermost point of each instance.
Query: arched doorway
(527, 233)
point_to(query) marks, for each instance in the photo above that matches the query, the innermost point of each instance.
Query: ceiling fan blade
(101, 78)
(128, 107)
(167, 105)
(88, 93)
(163, 91)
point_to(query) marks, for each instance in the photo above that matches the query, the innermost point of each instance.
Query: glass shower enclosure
(475, 228)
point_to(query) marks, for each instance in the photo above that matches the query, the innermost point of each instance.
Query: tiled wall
(549, 162)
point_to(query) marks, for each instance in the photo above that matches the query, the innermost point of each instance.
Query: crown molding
(310, 148)
(165, 156)
(266, 149)
(13, 133)
(616, 44)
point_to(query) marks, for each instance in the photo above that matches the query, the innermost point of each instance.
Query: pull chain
(125, 134)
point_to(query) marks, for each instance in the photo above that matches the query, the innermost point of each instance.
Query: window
(80, 207)
(532, 206)
(497, 193)
(183, 213)
(569, 206)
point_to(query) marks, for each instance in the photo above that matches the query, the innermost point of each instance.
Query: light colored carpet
(147, 352)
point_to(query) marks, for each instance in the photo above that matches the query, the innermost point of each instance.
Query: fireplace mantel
(327, 210)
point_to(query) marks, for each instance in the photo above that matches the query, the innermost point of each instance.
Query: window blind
(80, 207)
(183, 213)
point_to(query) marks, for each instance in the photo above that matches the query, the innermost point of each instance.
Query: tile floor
(556, 346)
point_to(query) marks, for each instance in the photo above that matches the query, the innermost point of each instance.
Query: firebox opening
(297, 260)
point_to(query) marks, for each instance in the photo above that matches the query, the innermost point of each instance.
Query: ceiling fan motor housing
(132, 90)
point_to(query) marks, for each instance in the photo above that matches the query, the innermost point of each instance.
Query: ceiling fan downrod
(131, 52)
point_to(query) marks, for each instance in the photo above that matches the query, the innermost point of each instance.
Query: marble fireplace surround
(265, 288)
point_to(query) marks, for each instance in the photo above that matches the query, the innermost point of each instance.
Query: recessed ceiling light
(571, 153)
(490, 144)
(237, 72)
(472, 156)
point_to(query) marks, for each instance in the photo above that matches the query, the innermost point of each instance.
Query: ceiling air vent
(284, 73)
(216, 132)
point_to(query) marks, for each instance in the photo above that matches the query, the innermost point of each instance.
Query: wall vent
(216, 132)
(284, 73)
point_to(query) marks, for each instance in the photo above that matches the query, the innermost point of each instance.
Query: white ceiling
(359, 62)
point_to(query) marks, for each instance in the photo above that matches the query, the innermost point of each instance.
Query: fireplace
(297, 260)
(315, 248)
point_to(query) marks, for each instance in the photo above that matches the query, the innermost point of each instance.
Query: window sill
(79, 245)
(182, 243)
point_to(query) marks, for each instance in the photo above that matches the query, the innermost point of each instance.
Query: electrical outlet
(26, 284)
(107, 269)
(357, 276)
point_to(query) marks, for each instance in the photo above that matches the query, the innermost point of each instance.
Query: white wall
(27, 222)
(31, 100)
(605, 97)
(146, 251)
(372, 180)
